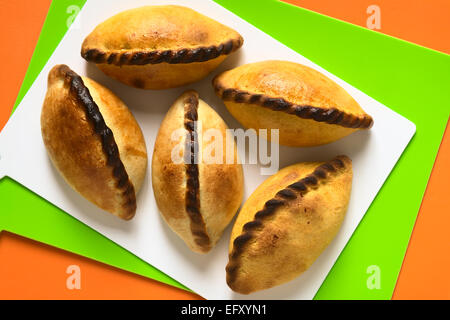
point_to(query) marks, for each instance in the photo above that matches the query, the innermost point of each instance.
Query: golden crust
(94, 141)
(199, 200)
(172, 43)
(307, 107)
(161, 76)
(286, 224)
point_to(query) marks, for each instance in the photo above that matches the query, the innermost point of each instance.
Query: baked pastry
(308, 108)
(197, 197)
(93, 141)
(286, 224)
(159, 47)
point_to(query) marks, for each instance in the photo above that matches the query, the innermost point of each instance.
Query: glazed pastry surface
(287, 223)
(196, 198)
(159, 47)
(307, 107)
(93, 141)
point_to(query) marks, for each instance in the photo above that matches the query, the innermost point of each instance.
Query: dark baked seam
(327, 115)
(198, 227)
(291, 192)
(186, 55)
(109, 146)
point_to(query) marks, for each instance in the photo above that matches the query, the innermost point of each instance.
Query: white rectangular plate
(23, 157)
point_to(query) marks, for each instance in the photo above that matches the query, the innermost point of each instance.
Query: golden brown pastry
(308, 108)
(197, 198)
(94, 141)
(159, 47)
(286, 224)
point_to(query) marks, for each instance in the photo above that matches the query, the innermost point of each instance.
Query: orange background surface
(30, 270)
(425, 22)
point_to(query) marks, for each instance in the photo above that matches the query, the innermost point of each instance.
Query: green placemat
(409, 79)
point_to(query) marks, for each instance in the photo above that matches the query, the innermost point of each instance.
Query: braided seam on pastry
(142, 57)
(327, 115)
(93, 115)
(198, 227)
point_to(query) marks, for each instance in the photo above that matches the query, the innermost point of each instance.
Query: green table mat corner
(411, 80)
